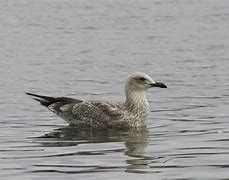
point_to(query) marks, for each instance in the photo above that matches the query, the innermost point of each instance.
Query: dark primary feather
(47, 100)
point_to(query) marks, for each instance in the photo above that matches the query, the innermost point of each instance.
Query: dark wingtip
(37, 95)
(30, 94)
(43, 100)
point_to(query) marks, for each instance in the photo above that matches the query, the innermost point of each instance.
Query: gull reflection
(135, 140)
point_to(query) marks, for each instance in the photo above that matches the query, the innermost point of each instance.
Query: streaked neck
(136, 100)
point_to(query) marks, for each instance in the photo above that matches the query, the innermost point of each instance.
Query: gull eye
(142, 78)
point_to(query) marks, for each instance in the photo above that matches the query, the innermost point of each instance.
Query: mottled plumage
(102, 114)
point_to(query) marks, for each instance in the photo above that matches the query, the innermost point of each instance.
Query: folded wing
(74, 111)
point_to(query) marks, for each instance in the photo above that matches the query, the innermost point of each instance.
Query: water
(85, 49)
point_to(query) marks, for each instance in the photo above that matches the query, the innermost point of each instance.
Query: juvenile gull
(103, 114)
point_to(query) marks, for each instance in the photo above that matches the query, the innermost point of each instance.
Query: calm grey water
(85, 49)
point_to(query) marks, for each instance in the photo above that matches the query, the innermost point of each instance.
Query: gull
(106, 114)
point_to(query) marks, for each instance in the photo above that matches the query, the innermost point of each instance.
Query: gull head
(139, 81)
